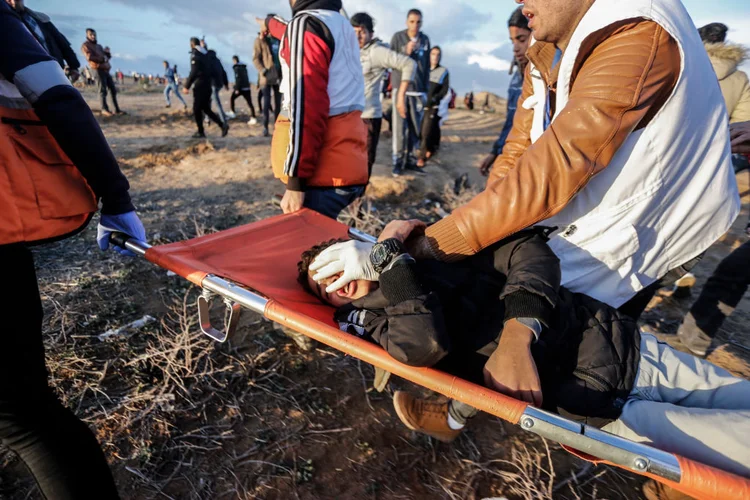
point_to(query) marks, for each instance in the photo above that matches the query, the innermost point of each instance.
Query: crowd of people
(608, 182)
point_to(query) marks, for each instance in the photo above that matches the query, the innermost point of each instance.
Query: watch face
(379, 255)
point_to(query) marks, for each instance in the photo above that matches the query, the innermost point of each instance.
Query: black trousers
(105, 82)
(430, 133)
(202, 105)
(248, 98)
(723, 291)
(373, 137)
(60, 451)
(267, 103)
(635, 306)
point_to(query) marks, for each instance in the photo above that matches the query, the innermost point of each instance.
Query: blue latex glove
(127, 223)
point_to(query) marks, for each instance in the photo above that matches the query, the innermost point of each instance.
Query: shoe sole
(686, 281)
(401, 415)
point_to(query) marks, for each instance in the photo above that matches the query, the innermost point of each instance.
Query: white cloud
(486, 61)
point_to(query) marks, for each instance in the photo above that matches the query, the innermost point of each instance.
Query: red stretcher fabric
(262, 256)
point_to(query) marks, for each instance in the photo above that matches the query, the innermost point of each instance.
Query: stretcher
(255, 267)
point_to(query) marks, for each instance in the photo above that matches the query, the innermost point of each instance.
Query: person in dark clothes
(439, 88)
(242, 89)
(200, 79)
(478, 319)
(520, 37)
(406, 131)
(50, 38)
(43, 113)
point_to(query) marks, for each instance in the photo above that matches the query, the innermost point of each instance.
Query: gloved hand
(127, 223)
(351, 257)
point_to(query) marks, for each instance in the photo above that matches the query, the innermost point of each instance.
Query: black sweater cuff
(401, 283)
(296, 184)
(528, 305)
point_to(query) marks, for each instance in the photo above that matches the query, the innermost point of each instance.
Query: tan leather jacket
(623, 77)
(262, 60)
(96, 56)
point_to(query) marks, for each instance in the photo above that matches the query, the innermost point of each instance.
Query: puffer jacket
(427, 312)
(735, 87)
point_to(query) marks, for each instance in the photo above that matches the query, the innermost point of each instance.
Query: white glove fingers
(331, 269)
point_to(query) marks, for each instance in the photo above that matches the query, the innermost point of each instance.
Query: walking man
(98, 59)
(319, 148)
(406, 131)
(376, 59)
(242, 89)
(219, 78)
(43, 112)
(170, 77)
(266, 61)
(200, 79)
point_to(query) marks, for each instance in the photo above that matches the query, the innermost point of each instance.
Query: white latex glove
(352, 258)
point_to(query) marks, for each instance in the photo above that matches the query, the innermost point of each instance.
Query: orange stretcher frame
(254, 267)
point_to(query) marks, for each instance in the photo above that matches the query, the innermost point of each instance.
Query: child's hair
(308, 256)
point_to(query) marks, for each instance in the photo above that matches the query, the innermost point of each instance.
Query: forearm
(579, 143)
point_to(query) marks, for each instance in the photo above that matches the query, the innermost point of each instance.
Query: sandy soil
(183, 418)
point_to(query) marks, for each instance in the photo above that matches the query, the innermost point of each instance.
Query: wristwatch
(532, 324)
(383, 253)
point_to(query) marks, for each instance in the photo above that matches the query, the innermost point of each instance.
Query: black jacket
(440, 84)
(241, 80)
(201, 72)
(422, 57)
(428, 313)
(218, 75)
(55, 42)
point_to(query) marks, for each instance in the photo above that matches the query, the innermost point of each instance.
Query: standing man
(266, 61)
(319, 147)
(376, 59)
(629, 163)
(439, 87)
(49, 37)
(43, 112)
(170, 78)
(416, 45)
(200, 78)
(219, 78)
(520, 37)
(98, 59)
(242, 88)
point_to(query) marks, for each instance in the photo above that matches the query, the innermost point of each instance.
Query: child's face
(351, 292)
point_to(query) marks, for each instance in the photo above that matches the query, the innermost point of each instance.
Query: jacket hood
(726, 57)
(301, 5)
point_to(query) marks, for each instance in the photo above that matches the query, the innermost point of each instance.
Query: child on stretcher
(502, 319)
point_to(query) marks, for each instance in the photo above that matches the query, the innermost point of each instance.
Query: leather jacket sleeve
(609, 99)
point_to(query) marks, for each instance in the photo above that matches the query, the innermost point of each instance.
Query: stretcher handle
(127, 242)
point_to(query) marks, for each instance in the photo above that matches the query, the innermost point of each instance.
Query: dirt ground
(181, 417)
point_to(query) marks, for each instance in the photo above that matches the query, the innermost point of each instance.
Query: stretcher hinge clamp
(204, 309)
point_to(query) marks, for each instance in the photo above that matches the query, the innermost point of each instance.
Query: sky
(472, 33)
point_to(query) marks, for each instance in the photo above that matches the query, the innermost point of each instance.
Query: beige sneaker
(424, 416)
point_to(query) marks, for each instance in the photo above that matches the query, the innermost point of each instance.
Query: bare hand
(486, 165)
(402, 230)
(185, 90)
(401, 105)
(410, 47)
(74, 75)
(293, 201)
(740, 136)
(261, 23)
(511, 369)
